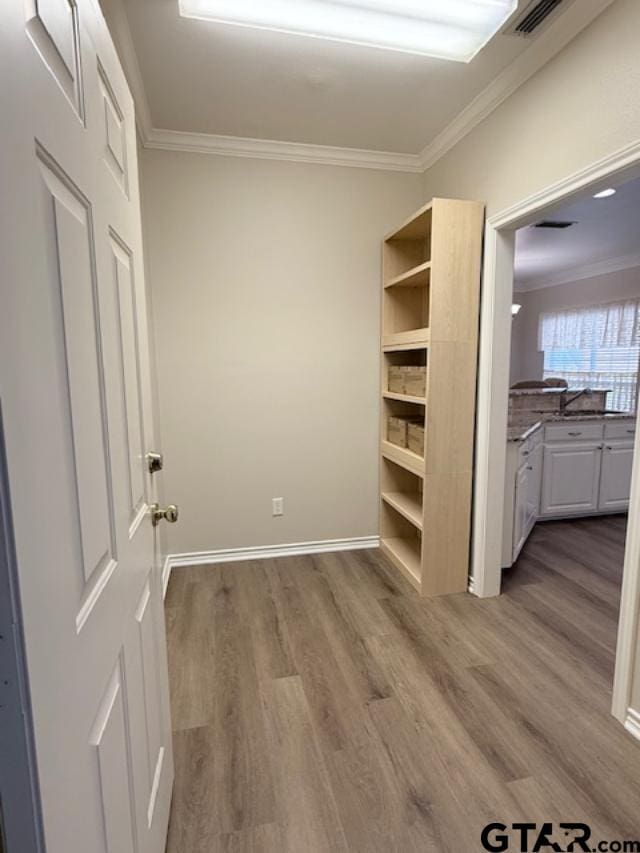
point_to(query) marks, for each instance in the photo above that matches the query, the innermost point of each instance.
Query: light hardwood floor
(320, 705)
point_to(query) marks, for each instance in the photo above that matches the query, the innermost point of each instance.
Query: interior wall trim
(576, 17)
(267, 149)
(264, 552)
(566, 27)
(598, 268)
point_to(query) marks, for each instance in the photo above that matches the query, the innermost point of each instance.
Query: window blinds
(595, 347)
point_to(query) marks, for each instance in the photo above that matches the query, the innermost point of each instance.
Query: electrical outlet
(277, 506)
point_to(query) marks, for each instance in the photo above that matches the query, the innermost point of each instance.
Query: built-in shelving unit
(430, 308)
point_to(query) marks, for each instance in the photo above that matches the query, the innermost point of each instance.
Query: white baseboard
(234, 555)
(632, 723)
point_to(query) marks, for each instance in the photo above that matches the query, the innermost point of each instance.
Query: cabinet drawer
(620, 429)
(577, 430)
(527, 447)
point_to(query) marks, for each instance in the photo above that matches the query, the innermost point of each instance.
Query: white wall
(526, 360)
(265, 280)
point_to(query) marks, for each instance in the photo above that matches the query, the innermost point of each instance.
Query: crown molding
(593, 270)
(270, 149)
(556, 37)
(565, 28)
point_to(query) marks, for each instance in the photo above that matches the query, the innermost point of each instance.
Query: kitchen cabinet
(565, 469)
(615, 476)
(522, 494)
(571, 479)
(534, 488)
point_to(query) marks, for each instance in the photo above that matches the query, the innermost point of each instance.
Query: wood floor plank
(257, 606)
(343, 632)
(308, 813)
(320, 705)
(191, 676)
(327, 692)
(254, 840)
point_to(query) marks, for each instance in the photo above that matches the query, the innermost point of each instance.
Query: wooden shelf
(407, 459)
(405, 557)
(414, 339)
(429, 317)
(416, 277)
(404, 398)
(408, 504)
(414, 228)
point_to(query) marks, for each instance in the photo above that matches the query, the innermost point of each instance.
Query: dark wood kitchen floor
(320, 705)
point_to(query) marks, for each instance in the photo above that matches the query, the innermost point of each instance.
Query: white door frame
(493, 397)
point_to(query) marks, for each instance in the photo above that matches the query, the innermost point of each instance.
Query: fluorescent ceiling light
(446, 29)
(605, 193)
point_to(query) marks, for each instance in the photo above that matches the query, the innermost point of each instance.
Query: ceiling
(211, 78)
(606, 237)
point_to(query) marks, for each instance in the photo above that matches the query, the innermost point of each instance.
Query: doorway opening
(513, 243)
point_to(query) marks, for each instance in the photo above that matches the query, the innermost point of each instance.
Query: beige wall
(582, 106)
(526, 361)
(265, 282)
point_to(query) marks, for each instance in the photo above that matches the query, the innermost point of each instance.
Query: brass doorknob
(169, 514)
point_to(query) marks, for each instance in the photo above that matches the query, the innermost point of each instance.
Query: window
(595, 347)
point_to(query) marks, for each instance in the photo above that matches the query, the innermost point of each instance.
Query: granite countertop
(524, 392)
(600, 416)
(521, 432)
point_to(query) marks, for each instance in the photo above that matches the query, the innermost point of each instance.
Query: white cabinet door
(74, 380)
(571, 478)
(534, 487)
(615, 480)
(520, 531)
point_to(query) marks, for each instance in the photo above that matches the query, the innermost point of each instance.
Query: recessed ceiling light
(605, 193)
(446, 29)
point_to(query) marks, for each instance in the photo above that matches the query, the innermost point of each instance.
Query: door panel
(128, 360)
(109, 738)
(148, 656)
(115, 148)
(74, 378)
(615, 484)
(520, 511)
(67, 224)
(53, 27)
(571, 478)
(57, 17)
(534, 485)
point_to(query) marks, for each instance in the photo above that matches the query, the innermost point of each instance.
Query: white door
(571, 477)
(615, 480)
(74, 387)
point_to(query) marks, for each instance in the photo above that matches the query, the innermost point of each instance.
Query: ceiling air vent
(554, 223)
(534, 16)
